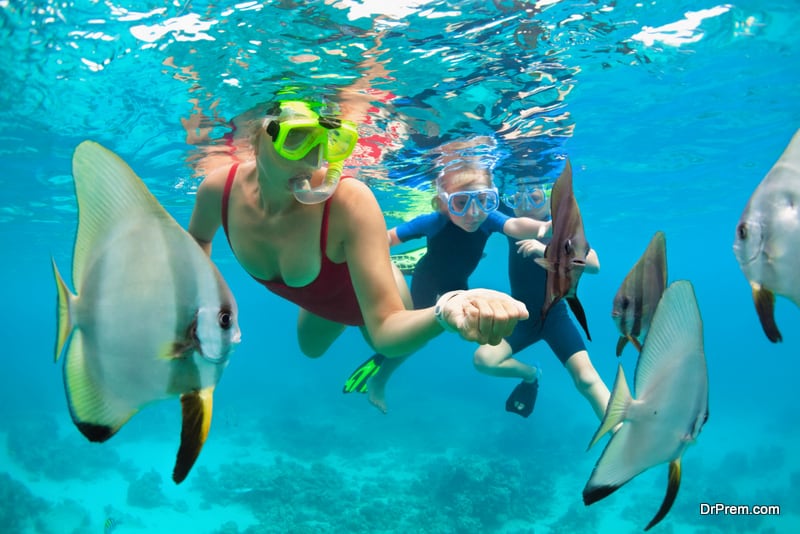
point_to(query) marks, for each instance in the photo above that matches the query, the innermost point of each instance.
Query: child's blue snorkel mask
(297, 130)
(528, 196)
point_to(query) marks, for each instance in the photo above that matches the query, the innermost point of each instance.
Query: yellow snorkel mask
(297, 131)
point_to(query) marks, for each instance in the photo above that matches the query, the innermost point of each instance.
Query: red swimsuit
(330, 295)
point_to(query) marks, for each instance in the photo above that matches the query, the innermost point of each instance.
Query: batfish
(767, 243)
(565, 255)
(637, 298)
(152, 318)
(670, 408)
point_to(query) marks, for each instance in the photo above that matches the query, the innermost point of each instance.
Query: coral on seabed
(451, 495)
(19, 506)
(66, 517)
(229, 527)
(471, 493)
(34, 443)
(285, 495)
(145, 491)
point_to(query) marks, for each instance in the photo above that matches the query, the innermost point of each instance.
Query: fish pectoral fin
(617, 407)
(185, 345)
(64, 319)
(764, 300)
(95, 415)
(176, 350)
(673, 484)
(545, 264)
(196, 407)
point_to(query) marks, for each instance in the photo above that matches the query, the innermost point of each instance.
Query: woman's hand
(481, 315)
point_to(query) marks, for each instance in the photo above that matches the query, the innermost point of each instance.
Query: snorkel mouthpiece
(304, 193)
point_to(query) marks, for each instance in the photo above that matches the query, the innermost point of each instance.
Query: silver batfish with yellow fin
(565, 255)
(671, 404)
(637, 298)
(152, 318)
(767, 243)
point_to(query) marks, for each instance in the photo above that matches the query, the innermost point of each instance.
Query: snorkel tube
(304, 193)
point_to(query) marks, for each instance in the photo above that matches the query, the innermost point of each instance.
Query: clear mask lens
(459, 203)
(526, 198)
(293, 139)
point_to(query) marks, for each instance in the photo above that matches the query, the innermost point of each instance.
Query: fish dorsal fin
(562, 190)
(656, 253)
(788, 164)
(108, 191)
(676, 329)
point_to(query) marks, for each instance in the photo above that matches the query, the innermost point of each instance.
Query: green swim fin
(358, 380)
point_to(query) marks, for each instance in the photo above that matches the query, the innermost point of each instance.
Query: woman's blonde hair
(458, 176)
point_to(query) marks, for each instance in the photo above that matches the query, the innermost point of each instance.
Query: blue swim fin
(523, 398)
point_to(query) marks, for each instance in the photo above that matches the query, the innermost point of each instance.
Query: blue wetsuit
(452, 256)
(527, 280)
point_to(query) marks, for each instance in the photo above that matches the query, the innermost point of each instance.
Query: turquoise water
(671, 112)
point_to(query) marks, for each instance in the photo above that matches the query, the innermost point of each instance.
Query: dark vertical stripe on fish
(638, 303)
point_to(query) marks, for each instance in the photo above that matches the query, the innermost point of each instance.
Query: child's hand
(531, 247)
(545, 230)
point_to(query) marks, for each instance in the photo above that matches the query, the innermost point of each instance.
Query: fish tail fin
(63, 317)
(673, 484)
(95, 416)
(617, 407)
(196, 407)
(577, 309)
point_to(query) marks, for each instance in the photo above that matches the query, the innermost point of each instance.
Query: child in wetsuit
(466, 215)
(527, 280)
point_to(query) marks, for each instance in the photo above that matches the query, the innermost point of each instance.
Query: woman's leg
(315, 334)
(376, 386)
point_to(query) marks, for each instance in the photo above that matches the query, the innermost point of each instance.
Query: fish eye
(624, 303)
(741, 230)
(225, 319)
(568, 246)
